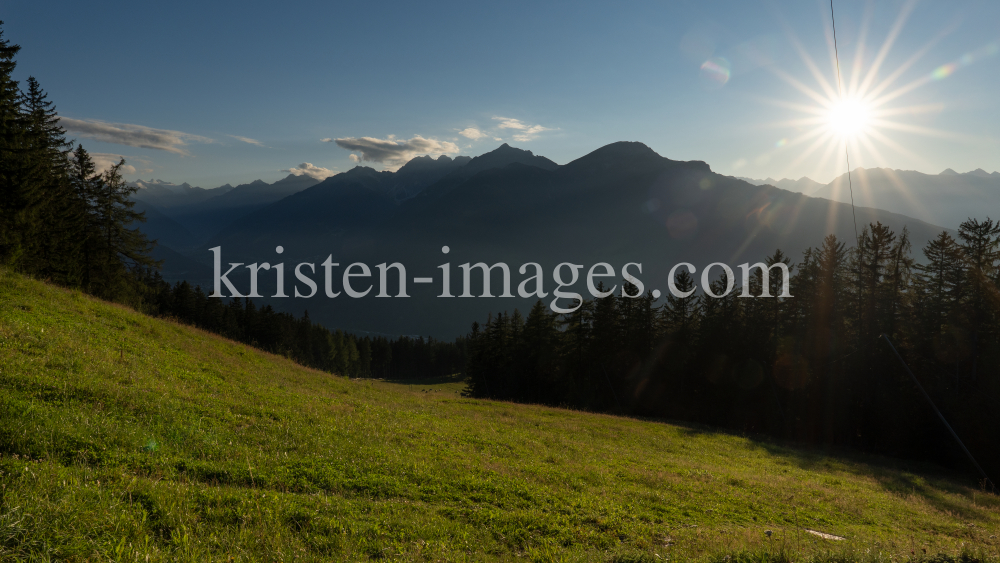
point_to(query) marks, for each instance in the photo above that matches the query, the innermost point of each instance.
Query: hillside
(130, 438)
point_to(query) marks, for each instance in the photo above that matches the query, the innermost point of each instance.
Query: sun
(864, 113)
(849, 119)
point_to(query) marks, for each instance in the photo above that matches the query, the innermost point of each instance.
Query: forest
(814, 368)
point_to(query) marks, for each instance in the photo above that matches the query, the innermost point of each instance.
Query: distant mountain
(945, 199)
(194, 214)
(163, 229)
(259, 192)
(363, 195)
(803, 185)
(419, 173)
(980, 173)
(621, 203)
(166, 195)
(504, 155)
(176, 266)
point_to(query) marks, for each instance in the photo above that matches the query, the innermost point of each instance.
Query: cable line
(847, 156)
(954, 435)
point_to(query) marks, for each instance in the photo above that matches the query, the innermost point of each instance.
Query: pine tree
(940, 287)
(981, 246)
(55, 236)
(16, 198)
(85, 184)
(679, 316)
(115, 251)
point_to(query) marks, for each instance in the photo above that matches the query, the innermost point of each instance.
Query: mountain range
(620, 203)
(181, 216)
(948, 198)
(803, 185)
(943, 199)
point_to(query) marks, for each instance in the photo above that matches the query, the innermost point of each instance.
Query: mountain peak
(427, 162)
(504, 155)
(629, 154)
(948, 172)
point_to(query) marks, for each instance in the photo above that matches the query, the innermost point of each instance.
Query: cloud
(132, 135)
(472, 133)
(311, 170)
(103, 161)
(524, 132)
(326, 140)
(248, 140)
(391, 152)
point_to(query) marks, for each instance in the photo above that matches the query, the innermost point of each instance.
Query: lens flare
(716, 70)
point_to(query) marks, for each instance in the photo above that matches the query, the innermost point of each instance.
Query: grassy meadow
(127, 438)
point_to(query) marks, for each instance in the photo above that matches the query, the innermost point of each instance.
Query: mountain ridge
(622, 202)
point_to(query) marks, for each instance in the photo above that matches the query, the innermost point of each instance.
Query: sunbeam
(859, 115)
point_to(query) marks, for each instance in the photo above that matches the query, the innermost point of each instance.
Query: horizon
(736, 87)
(946, 171)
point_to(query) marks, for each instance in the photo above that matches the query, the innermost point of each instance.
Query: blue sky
(175, 86)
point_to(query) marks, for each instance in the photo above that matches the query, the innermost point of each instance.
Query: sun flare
(849, 118)
(860, 112)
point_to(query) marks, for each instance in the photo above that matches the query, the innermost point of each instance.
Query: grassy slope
(123, 436)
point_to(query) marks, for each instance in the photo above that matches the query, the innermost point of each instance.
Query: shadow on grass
(903, 477)
(439, 380)
(898, 476)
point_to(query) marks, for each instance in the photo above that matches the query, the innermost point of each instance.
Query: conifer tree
(940, 290)
(16, 201)
(981, 247)
(679, 315)
(55, 238)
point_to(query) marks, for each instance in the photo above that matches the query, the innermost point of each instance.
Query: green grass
(126, 438)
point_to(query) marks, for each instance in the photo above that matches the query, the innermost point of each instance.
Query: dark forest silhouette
(811, 368)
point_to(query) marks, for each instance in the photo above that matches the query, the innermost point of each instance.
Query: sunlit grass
(124, 437)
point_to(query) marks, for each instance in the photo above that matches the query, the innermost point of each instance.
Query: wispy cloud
(326, 140)
(523, 131)
(132, 135)
(472, 133)
(391, 152)
(103, 161)
(248, 140)
(311, 170)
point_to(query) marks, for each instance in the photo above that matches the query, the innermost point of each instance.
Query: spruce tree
(981, 246)
(84, 181)
(55, 236)
(940, 289)
(16, 200)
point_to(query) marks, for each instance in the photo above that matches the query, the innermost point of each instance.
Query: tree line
(64, 221)
(302, 340)
(812, 367)
(61, 219)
